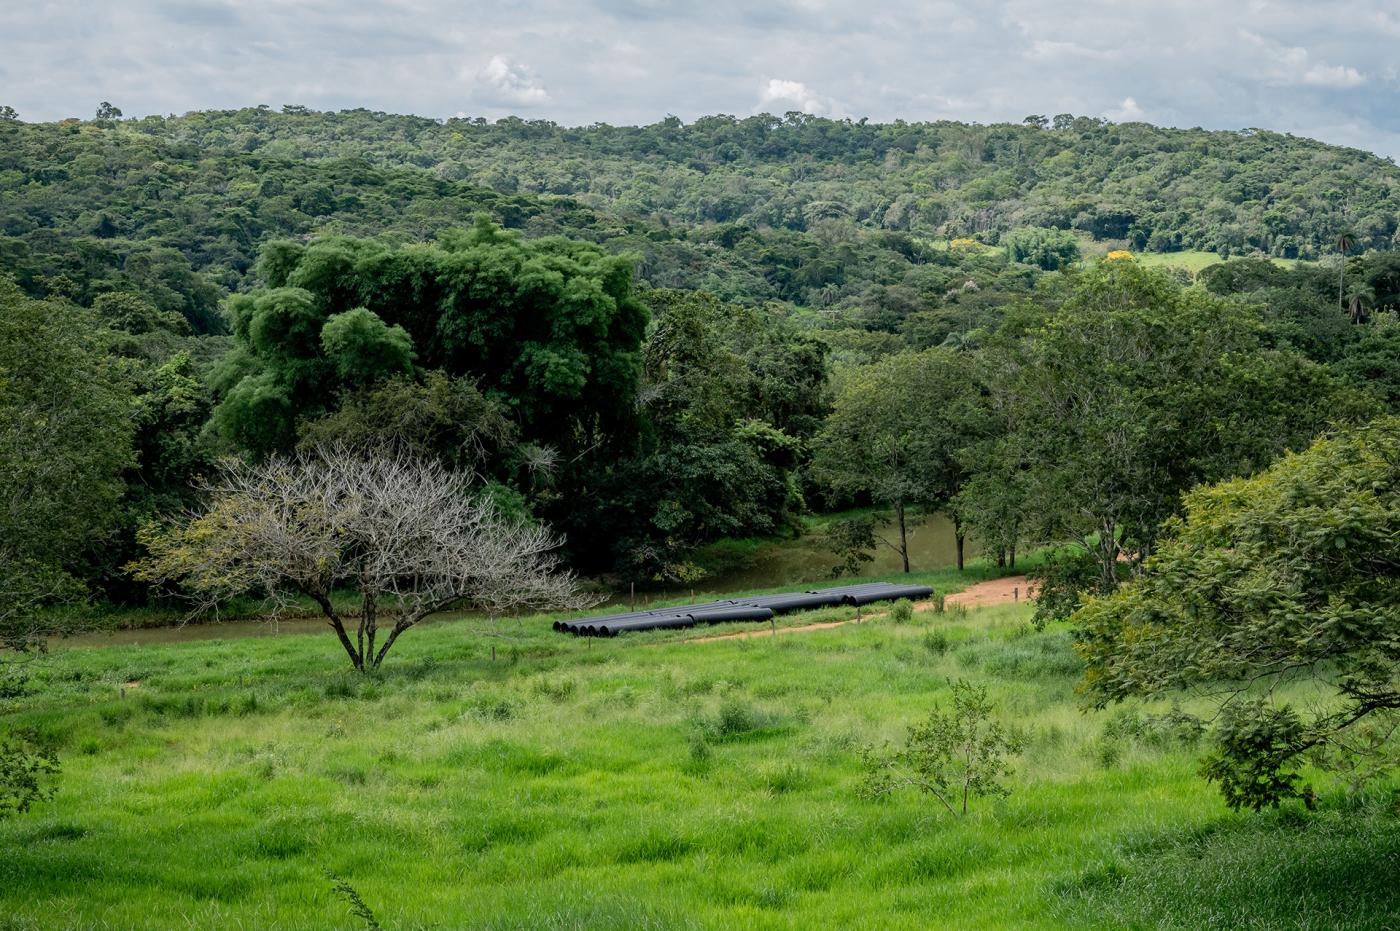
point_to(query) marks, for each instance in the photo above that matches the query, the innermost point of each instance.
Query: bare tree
(403, 532)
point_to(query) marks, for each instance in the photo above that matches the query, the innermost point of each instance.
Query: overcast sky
(1317, 69)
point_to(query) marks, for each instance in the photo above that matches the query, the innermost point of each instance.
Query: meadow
(642, 782)
(1193, 261)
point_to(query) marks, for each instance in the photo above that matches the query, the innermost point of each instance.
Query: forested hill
(1158, 189)
(852, 219)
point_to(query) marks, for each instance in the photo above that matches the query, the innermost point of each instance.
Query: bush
(902, 611)
(952, 755)
(1060, 584)
(26, 773)
(735, 718)
(936, 642)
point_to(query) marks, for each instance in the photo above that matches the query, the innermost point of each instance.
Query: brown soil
(994, 592)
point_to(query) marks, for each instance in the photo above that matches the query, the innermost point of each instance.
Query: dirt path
(994, 592)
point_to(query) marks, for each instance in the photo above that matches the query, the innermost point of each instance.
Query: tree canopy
(1268, 583)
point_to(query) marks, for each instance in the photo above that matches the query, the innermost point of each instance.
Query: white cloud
(1296, 65)
(1324, 75)
(779, 96)
(504, 82)
(1127, 112)
(1289, 65)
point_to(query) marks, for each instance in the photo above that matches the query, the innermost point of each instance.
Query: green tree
(65, 437)
(1285, 577)
(953, 755)
(1133, 390)
(66, 426)
(548, 327)
(730, 397)
(1346, 241)
(895, 431)
(1050, 249)
(1369, 362)
(363, 349)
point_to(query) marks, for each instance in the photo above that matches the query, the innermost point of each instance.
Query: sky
(1315, 69)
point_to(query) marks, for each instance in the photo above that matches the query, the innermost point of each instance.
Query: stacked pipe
(758, 608)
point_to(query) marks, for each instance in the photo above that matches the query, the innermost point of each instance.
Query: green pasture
(641, 782)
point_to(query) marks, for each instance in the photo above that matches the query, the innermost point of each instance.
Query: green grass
(1192, 261)
(634, 783)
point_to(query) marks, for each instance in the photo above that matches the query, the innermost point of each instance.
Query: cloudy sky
(1316, 69)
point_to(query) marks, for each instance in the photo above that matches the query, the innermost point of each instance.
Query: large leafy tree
(730, 398)
(1266, 589)
(66, 412)
(895, 432)
(549, 327)
(66, 427)
(1134, 389)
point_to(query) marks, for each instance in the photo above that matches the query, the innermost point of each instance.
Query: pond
(932, 545)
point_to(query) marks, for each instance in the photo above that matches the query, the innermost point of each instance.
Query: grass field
(640, 782)
(1193, 262)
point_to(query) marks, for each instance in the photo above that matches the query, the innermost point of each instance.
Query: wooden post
(493, 652)
(1016, 593)
(632, 600)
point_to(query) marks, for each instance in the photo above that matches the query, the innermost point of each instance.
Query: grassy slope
(1192, 261)
(630, 783)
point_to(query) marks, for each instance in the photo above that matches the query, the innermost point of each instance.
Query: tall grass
(638, 783)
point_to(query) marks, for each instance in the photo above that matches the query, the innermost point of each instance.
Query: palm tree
(1360, 299)
(1345, 240)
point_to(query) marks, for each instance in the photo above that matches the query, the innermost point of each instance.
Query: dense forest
(638, 333)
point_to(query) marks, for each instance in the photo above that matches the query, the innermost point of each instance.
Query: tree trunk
(370, 620)
(1107, 551)
(903, 535)
(960, 537)
(398, 628)
(356, 657)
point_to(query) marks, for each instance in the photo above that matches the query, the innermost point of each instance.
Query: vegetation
(398, 530)
(570, 768)
(894, 431)
(951, 755)
(1283, 577)
(372, 365)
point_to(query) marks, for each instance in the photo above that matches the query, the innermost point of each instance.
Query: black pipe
(758, 608)
(793, 601)
(731, 613)
(893, 593)
(862, 587)
(655, 622)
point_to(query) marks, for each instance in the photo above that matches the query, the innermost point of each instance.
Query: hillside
(846, 218)
(1159, 189)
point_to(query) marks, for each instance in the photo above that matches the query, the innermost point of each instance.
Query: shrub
(936, 642)
(902, 611)
(26, 773)
(1060, 584)
(735, 718)
(952, 755)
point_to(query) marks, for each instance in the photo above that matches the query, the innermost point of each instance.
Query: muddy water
(783, 563)
(793, 562)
